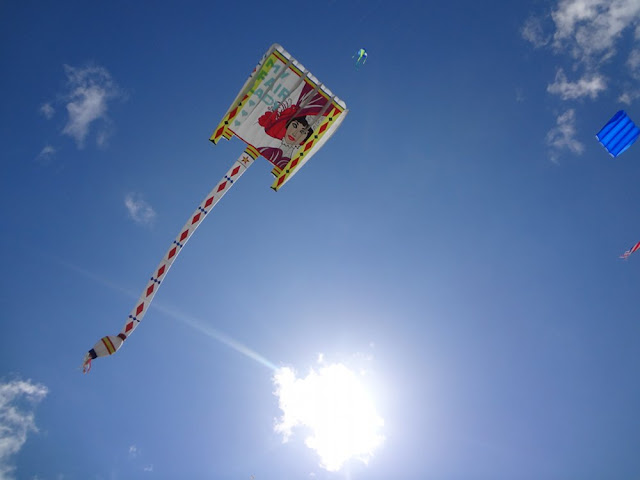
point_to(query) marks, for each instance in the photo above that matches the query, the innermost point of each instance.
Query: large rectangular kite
(282, 113)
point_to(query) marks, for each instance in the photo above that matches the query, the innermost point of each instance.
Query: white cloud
(102, 137)
(587, 86)
(17, 402)
(589, 29)
(139, 210)
(562, 137)
(631, 89)
(589, 33)
(47, 110)
(46, 153)
(134, 454)
(627, 97)
(90, 90)
(633, 62)
(533, 31)
(335, 407)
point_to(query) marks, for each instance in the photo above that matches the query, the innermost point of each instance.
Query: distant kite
(361, 58)
(626, 254)
(618, 134)
(282, 113)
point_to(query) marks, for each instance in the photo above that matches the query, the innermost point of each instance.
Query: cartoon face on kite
(298, 131)
(288, 124)
(291, 130)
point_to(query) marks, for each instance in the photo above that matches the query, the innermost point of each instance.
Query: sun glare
(337, 409)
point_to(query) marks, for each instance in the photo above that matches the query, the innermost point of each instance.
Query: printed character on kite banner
(298, 130)
(278, 91)
(266, 118)
(291, 124)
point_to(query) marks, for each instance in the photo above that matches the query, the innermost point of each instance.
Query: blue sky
(455, 243)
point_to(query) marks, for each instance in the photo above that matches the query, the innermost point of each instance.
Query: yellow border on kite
(283, 174)
(224, 127)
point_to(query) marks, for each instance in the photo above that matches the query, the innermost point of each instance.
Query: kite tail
(106, 346)
(109, 345)
(86, 363)
(633, 249)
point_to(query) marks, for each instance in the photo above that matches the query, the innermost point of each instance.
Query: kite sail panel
(284, 113)
(360, 58)
(618, 134)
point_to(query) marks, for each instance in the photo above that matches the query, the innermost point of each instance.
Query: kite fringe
(628, 253)
(86, 363)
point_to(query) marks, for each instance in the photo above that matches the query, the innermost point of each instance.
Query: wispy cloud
(139, 210)
(587, 86)
(589, 29)
(17, 403)
(47, 110)
(586, 35)
(631, 91)
(533, 31)
(633, 63)
(86, 100)
(47, 153)
(333, 405)
(90, 90)
(134, 454)
(586, 31)
(563, 135)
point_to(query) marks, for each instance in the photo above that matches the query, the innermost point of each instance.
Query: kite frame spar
(271, 68)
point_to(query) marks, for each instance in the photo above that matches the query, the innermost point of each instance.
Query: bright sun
(336, 407)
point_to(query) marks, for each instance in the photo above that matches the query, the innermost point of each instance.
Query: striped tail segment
(633, 249)
(105, 346)
(110, 344)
